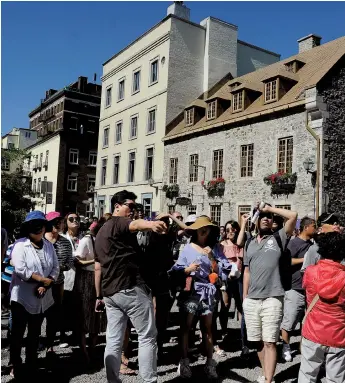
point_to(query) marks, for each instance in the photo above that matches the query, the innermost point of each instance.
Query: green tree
(15, 188)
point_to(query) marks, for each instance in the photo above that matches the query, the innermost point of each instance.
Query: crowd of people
(121, 272)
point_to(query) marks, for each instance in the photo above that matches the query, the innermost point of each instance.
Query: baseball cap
(328, 218)
(33, 215)
(191, 218)
(52, 215)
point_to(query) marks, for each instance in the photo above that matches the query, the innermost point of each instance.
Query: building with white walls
(147, 84)
(17, 138)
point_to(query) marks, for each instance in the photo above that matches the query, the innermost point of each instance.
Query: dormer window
(237, 101)
(189, 117)
(211, 110)
(271, 91)
(294, 66)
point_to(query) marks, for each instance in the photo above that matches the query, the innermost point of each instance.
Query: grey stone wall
(332, 90)
(245, 191)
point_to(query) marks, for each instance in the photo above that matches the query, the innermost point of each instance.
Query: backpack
(284, 261)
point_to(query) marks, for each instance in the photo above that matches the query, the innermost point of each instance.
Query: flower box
(215, 187)
(171, 191)
(281, 183)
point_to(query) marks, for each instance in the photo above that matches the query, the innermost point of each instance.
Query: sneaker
(287, 353)
(184, 370)
(63, 345)
(260, 379)
(210, 369)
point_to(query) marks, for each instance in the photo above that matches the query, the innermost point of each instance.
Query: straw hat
(201, 222)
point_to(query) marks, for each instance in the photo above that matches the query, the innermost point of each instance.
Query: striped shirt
(63, 251)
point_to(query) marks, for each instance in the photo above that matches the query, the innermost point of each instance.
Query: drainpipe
(318, 165)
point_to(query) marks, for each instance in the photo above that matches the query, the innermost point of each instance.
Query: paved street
(70, 368)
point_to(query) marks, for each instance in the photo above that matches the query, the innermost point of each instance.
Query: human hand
(159, 227)
(46, 282)
(41, 291)
(208, 251)
(100, 306)
(244, 219)
(191, 268)
(266, 208)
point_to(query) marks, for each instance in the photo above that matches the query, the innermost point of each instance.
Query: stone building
(148, 83)
(66, 150)
(286, 117)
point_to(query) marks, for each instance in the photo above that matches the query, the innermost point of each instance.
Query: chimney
(50, 92)
(179, 10)
(308, 42)
(82, 82)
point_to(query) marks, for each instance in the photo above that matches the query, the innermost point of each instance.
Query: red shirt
(325, 323)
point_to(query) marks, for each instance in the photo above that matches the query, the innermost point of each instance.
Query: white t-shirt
(85, 251)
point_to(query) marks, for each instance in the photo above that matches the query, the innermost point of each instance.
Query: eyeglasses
(130, 205)
(74, 219)
(266, 215)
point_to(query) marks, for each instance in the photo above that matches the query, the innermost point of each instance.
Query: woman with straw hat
(201, 269)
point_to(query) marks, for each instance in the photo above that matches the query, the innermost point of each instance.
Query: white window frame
(238, 101)
(247, 160)
(146, 162)
(218, 208)
(148, 131)
(72, 178)
(270, 94)
(123, 79)
(76, 122)
(189, 117)
(46, 160)
(156, 59)
(133, 118)
(71, 156)
(116, 131)
(244, 209)
(118, 173)
(212, 110)
(106, 144)
(173, 170)
(193, 170)
(92, 154)
(135, 72)
(5, 164)
(129, 166)
(108, 99)
(91, 178)
(104, 176)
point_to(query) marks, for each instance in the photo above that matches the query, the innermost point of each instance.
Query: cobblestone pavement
(69, 366)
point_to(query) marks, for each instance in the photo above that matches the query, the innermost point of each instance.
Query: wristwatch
(99, 298)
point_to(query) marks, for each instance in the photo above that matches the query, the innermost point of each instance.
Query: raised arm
(290, 215)
(142, 225)
(241, 239)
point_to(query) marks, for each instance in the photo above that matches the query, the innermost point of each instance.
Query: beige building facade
(147, 84)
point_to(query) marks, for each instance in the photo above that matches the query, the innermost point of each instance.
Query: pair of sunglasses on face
(266, 215)
(131, 205)
(74, 219)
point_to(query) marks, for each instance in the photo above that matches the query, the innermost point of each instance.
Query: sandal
(125, 370)
(219, 352)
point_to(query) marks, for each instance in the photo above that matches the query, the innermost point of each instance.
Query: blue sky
(49, 44)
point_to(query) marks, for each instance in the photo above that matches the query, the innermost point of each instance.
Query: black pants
(164, 304)
(54, 315)
(20, 319)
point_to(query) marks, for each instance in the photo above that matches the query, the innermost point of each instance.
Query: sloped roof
(318, 61)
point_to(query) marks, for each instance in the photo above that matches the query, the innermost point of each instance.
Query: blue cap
(35, 215)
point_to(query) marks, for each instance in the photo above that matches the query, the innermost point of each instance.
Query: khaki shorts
(263, 318)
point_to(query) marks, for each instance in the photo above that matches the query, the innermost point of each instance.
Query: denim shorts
(193, 305)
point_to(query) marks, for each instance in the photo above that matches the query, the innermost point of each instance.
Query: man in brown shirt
(126, 296)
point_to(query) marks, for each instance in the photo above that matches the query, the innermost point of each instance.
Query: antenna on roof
(94, 77)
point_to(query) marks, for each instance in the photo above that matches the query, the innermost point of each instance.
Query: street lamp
(308, 165)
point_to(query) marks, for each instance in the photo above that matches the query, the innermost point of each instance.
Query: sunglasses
(74, 219)
(266, 215)
(131, 206)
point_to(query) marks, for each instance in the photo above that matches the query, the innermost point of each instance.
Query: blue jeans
(135, 304)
